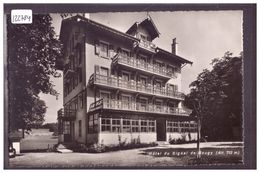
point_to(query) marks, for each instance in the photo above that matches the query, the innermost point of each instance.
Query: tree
(33, 50)
(216, 99)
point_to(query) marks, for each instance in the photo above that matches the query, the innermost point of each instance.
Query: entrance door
(66, 131)
(161, 129)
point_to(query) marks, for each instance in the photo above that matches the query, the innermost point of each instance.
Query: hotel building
(120, 86)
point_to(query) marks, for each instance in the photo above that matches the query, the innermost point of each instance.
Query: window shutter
(97, 50)
(111, 51)
(96, 69)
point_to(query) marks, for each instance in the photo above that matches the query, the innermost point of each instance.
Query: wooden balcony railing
(67, 114)
(137, 107)
(147, 45)
(144, 66)
(112, 81)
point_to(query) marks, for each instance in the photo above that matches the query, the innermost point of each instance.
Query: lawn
(38, 140)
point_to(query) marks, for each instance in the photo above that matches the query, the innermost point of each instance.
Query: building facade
(120, 86)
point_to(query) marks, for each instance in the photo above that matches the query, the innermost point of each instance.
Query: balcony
(131, 62)
(147, 45)
(112, 104)
(67, 114)
(133, 86)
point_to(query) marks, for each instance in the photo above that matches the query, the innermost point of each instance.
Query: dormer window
(143, 37)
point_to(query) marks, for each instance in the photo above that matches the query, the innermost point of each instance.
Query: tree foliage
(216, 98)
(33, 50)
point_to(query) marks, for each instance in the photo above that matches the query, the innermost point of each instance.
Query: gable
(146, 27)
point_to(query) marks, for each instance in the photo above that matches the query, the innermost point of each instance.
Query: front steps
(162, 143)
(62, 149)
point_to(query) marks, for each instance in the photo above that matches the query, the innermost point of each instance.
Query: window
(143, 37)
(142, 61)
(193, 127)
(66, 127)
(105, 124)
(90, 124)
(144, 126)
(182, 127)
(143, 80)
(172, 126)
(126, 125)
(158, 67)
(170, 71)
(104, 75)
(106, 98)
(126, 102)
(158, 87)
(116, 125)
(125, 80)
(104, 71)
(173, 88)
(143, 104)
(95, 123)
(103, 49)
(80, 128)
(135, 125)
(142, 84)
(125, 76)
(151, 124)
(158, 106)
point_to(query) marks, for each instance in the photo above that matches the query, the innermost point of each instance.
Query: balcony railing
(67, 114)
(113, 104)
(144, 66)
(112, 81)
(147, 45)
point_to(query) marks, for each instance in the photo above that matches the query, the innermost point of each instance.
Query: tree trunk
(198, 138)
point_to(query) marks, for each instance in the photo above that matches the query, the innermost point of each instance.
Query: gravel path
(125, 158)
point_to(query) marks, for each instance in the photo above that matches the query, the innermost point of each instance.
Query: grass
(40, 140)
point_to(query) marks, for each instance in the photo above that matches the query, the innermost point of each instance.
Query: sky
(201, 37)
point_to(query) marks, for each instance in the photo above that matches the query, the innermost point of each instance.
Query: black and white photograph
(129, 86)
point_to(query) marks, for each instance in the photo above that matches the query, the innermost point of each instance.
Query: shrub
(96, 148)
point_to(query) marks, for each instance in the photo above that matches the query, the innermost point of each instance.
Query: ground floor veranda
(115, 127)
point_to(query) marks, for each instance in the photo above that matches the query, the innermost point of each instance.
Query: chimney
(174, 46)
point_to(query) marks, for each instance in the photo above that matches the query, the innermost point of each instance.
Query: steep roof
(148, 24)
(66, 23)
(169, 54)
(80, 19)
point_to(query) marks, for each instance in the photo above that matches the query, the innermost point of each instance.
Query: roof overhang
(67, 23)
(170, 55)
